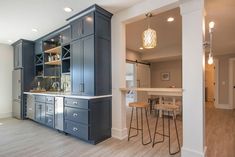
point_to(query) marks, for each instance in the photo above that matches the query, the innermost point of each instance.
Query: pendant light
(210, 57)
(149, 36)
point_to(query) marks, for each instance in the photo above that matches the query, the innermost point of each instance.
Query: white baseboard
(119, 133)
(6, 115)
(224, 106)
(185, 152)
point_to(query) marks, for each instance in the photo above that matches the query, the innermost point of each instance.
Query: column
(192, 12)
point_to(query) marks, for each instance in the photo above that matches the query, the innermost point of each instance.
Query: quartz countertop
(68, 95)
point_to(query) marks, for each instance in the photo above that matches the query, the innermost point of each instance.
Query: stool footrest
(162, 134)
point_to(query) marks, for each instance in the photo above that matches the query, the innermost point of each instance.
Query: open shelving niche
(65, 68)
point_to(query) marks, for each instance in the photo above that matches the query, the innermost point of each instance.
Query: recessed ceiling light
(68, 9)
(170, 19)
(34, 30)
(10, 41)
(141, 48)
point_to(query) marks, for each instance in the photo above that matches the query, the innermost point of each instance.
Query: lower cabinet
(30, 107)
(89, 120)
(49, 120)
(40, 112)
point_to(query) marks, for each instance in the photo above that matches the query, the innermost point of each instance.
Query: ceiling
(19, 17)
(222, 12)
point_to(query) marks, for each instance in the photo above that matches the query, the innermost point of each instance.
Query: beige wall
(131, 55)
(223, 83)
(175, 69)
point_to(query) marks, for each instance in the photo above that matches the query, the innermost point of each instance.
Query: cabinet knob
(75, 114)
(75, 103)
(75, 129)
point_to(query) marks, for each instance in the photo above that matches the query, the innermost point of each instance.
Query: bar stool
(152, 102)
(141, 106)
(170, 109)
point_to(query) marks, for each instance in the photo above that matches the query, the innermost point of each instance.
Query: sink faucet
(56, 85)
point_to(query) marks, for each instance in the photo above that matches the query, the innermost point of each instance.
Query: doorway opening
(210, 83)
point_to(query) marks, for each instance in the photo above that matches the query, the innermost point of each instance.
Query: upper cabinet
(83, 26)
(24, 59)
(18, 63)
(65, 36)
(91, 53)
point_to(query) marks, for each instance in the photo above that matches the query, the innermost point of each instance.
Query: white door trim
(216, 79)
(231, 83)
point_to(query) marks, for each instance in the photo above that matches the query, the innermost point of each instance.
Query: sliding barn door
(142, 81)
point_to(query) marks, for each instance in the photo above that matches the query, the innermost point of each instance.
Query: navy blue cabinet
(40, 108)
(91, 53)
(18, 55)
(83, 26)
(38, 46)
(65, 35)
(89, 120)
(40, 112)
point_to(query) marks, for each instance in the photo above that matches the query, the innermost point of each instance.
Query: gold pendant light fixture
(149, 36)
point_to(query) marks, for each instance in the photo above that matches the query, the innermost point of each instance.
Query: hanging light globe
(149, 38)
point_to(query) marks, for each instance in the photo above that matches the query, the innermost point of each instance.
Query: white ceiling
(222, 12)
(18, 17)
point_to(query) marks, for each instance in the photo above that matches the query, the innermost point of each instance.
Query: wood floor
(29, 139)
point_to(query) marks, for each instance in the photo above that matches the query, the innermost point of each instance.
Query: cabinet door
(88, 48)
(77, 66)
(18, 55)
(40, 112)
(88, 25)
(83, 26)
(38, 47)
(76, 27)
(66, 36)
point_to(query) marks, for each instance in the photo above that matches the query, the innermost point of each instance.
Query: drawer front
(50, 99)
(78, 103)
(76, 115)
(78, 130)
(49, 120)
(40, 98)
(50, 109)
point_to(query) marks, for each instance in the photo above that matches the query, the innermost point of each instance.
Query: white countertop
(68, 95)
(157, 91)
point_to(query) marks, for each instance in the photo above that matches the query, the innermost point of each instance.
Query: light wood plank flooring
(29, 139)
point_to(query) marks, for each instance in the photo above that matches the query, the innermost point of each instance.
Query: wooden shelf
(55, 50)
(56, 62)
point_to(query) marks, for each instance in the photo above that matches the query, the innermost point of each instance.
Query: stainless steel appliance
(17, 93)
(59, 110)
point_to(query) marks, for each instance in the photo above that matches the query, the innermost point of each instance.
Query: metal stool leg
(170, 134)
(137, 129)
(155, 130)
(146, 116)
(130, 124)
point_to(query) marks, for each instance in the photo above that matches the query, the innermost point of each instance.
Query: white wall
(6, 67)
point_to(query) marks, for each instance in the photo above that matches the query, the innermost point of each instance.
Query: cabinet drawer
(78, 130)
(49, 120)
(78, 103)
(40, 98)
(50, 99)
(76, 115)
(50, 109)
